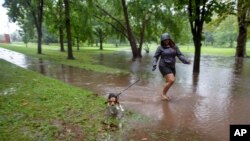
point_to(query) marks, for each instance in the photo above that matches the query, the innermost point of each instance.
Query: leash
(128, 87)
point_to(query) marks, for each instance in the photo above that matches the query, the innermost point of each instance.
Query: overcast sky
(5, 25)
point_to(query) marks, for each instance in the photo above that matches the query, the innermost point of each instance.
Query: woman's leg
(169, 82)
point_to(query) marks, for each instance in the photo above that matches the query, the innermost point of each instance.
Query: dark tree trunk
(38, 19)
(197, 53)
(68, 29)
(61, 38)
(144, 22)
(100, 33)
(39, 41)
(131, 36)
(242, 25)
(241, 41)
(101, 43)
(196, 20)
(197, 35)
(78, 43)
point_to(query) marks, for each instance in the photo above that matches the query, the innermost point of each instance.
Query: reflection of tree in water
(240, 75)
(41, 66)
(195, 81)
(238, 65)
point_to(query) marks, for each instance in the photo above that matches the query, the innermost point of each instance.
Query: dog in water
(114, 107)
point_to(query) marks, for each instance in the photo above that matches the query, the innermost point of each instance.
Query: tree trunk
(196, 29)
(61, 38)
(241, 41)
(39, 41)
(101, 39)
(144, 22)
(68, 29)
(197, 53)
(131, 36)
(101, 43)
(38, 18)
(242, 25)
(78, 43)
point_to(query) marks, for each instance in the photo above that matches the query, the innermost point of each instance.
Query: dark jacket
(167, 56)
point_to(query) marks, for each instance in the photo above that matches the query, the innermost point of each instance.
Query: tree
(68, 29)
(27, 31)
(54, 20)
(243, 8)
(101, 32)
(81, 19)
(18, 10)
(119, 19)
(223, 30)
(139, 21)
(131, 37)
(200, 11)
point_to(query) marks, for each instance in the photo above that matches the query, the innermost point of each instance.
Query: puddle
(8, 91)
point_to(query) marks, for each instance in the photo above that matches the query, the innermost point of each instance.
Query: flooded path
(202, 106)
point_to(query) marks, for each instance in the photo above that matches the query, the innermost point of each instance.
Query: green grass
(209, 50)
(83, 58)
(34, 107)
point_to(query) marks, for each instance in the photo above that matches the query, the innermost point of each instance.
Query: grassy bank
(34, 107)
(83, 58)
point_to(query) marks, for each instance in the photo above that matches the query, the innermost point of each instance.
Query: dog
(114, 107)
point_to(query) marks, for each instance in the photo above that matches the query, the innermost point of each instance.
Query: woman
(167, 52)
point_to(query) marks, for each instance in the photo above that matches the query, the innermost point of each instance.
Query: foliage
(49, 37)
(224, 33)
(104, 19)
(18, 13)
(198, 13)
(53, 13)
(28, 14)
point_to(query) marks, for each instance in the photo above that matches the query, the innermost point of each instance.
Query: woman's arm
(156, 57)
(181, 56)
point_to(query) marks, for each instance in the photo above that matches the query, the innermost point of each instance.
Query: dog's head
(112, 99)
(113, 106)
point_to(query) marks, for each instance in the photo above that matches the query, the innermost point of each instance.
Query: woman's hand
(154, 67)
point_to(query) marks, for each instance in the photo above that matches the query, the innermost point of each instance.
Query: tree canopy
(136, 21)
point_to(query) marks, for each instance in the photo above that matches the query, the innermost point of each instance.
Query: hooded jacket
(167, 54)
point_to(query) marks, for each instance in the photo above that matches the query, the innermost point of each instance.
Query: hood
(165, 36)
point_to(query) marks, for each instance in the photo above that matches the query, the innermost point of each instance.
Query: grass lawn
(83, 58)
(209, 50)
(35, 107)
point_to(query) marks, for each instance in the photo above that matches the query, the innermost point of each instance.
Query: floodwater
(202, 106)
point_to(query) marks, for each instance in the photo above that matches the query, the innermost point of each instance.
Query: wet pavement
(202, 106)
